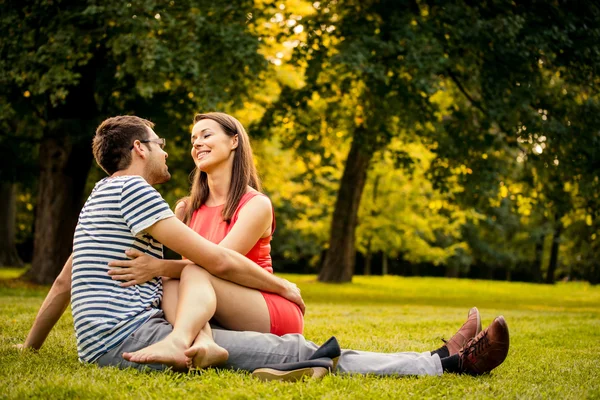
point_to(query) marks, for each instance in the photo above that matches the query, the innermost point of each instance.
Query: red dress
(286, 316)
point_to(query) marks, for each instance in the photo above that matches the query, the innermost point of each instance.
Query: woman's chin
(204, 167)
(199, 164)
(209, 166)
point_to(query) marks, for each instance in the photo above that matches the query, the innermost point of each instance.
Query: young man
(124, 326)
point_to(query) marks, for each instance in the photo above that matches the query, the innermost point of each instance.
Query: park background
(416, 138)
(451, 139)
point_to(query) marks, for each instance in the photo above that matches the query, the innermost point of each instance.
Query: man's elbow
(62, 282)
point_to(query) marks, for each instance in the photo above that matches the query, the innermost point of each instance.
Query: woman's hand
(141, 268)
(292, 293)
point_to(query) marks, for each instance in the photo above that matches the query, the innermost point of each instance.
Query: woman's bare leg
(170, 298)
(196, 305)
(204, 352)
(238, 308)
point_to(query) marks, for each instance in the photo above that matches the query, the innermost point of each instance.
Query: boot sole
(269, 374)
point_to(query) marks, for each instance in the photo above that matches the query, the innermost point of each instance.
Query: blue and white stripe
(113, 220)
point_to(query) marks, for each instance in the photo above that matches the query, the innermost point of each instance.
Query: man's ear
(139, 149)
(234, 142)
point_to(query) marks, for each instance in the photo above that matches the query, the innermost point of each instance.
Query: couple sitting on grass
(131, 308)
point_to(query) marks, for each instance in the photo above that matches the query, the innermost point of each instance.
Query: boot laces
(473, 348)
(476, 345)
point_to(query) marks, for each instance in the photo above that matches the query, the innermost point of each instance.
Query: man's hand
(141, 268)
(292, 293)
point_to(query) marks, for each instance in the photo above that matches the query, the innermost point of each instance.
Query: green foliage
(525, 119)
(67, 65)
(554, 335)
(163, 61)
(494, 90)
(401, 212)
(481, 119)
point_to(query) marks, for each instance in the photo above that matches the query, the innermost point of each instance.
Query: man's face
(156, 169)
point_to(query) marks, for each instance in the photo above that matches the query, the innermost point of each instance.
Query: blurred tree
(8, 250)
(66, 65)
(364, 81)
(402, 214)
(582, 251)
(527, 74)
(519, 74)
(15, 166)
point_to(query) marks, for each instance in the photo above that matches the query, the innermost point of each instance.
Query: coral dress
(286, 316)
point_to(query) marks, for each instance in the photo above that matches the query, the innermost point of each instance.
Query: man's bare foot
(204, 354)
(168, 351)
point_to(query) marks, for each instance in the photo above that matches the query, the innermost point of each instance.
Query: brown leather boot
(485, 351)
(469, 330)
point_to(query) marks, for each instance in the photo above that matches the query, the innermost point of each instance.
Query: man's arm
(143, 267)
(219, 261)
(52, 308)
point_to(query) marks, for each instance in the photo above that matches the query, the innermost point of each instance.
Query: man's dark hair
(114, 138)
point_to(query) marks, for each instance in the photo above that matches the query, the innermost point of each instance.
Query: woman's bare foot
(169, 351)
(204, 354)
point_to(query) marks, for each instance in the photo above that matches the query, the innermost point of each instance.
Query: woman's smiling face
(211, 146)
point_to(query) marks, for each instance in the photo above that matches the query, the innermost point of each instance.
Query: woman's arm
(226, 264)
(254, 220)
(52, 308)
(219, 261)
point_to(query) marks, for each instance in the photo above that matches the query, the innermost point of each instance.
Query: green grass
(555, 344)
(11, 273)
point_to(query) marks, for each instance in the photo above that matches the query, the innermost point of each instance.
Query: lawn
(555, 344)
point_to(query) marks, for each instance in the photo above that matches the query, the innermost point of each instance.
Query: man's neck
(132, 170)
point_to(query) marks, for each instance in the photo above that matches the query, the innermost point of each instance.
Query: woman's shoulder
(255, 199)
(256, 204)
(258, 198)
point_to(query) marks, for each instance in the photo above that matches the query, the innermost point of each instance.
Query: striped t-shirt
(113, 220)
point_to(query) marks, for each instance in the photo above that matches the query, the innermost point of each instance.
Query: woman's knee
(193, 270)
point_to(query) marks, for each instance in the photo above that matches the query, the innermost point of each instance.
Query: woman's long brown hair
(243, 173)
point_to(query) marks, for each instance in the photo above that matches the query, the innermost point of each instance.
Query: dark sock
(450, 364)
(442, 352)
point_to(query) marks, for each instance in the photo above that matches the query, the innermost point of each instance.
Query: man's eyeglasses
(160, 141)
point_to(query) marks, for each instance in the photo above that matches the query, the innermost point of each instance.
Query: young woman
(226, 207)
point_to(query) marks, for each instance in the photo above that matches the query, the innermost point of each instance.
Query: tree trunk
(338, 265)
(414, 269)
(8, 251)
(554, 251)
(452, 271)
(489, 274)
(64, 166)
(368, 260)
(384, 265)
(539, 256)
